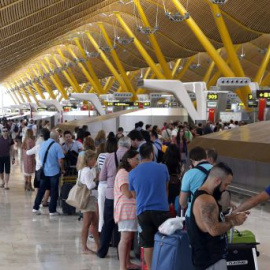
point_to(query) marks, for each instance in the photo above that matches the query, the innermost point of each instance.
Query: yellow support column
(56, 77)
(36, 86)
(140, 47)
(109, 83)
(155, 45)
(20, 94)
(58, 85)
(228, 44)
(117, 60)
(23, 90)
(208, 73)
(45, 84)
(75, 86)
(69, 71)
(263, 66)
(30, 91)
(176, 66)
(14, 98)
(185, 68)
(85, 72)
(106, 61)
(14, 93)
(221, 64)
(266, 80)
(89, 66)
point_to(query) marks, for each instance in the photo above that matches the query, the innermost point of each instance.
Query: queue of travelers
(133, 179)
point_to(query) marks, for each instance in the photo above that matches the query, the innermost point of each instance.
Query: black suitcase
(66, 208)
(242, 257)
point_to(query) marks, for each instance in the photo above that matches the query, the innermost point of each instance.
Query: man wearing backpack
(194, 178)
(158, 154)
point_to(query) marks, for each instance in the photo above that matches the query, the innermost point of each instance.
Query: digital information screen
(128, 104)
(212, 96)
(263, 94)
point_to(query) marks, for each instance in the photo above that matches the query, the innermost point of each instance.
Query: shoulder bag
(40, 173)
(79, 195)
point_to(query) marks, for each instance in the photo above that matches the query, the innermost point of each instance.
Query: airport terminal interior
(128, 71)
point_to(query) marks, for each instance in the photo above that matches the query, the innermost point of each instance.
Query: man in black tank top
(208, 226)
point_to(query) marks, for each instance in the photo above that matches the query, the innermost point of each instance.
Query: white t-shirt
(86, 177)
(174, 132)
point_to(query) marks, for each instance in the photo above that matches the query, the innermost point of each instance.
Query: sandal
(6, 188)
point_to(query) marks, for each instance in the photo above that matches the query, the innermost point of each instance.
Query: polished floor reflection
(41, 242)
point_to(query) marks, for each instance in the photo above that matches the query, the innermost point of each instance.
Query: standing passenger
(125, 207)
(28, 161)
(149, 183)
(108, 172)
(52, 169)
(87, 176)
(208, 226)
(5, 148)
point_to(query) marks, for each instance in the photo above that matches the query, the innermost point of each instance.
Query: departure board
(212, 96)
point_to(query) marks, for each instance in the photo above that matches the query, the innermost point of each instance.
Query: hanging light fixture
(219, 2)
(242, 55)
(175, 16)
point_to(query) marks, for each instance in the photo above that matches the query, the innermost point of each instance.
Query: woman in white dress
(88, 176)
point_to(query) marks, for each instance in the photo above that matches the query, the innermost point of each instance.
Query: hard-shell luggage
(172, 252)
(68, 183)
(242, 237)
(242, 257)
(242, 251)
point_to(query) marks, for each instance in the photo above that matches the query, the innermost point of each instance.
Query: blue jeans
(52, 183)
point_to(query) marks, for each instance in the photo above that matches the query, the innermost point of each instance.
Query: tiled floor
(35, 242)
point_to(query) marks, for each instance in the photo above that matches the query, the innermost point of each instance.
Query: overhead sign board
(263, 94)
(128, 104)
(253, 103)
(122, 95)
(212, 104)
(212, 96)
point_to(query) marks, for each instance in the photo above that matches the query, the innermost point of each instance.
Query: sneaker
(37, 212)
(55, 214)
(2, 186)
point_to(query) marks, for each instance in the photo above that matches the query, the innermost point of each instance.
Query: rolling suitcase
(68, 183)
(242, 251)
(172, 252)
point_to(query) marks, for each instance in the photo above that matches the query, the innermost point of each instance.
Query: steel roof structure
(100, 46)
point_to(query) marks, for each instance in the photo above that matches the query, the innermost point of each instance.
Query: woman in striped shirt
(125, 207)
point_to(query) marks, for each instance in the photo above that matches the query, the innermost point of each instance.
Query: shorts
(128, 225)
(91, 206)
(149, 222)
(5, 165)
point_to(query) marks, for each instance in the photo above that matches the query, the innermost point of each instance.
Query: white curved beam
(180, 90)
(93, 98)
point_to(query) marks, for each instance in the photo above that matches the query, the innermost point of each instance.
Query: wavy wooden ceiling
(31, 29)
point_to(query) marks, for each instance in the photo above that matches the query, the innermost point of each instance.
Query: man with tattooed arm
(208, 226)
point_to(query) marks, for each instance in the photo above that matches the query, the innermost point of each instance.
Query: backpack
(160, 155)
(205, 171)
(16, 128)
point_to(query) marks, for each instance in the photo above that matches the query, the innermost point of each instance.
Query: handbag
(79, 195)
(40, 173)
